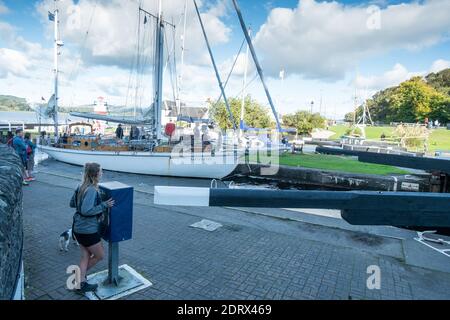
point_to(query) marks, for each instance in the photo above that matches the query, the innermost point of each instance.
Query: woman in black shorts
(87, 201)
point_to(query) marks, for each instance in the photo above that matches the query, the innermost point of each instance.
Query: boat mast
(57, 44)
(244, 83)
(215, 68)
(180, 76)
(158, 76)
(255, 60)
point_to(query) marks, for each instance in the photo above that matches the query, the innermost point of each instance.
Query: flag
(145, 19)
(51, 16)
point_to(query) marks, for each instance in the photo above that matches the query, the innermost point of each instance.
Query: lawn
(439, 139)
(371, 132)
(337, 163)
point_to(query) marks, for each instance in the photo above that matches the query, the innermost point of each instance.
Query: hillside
(440, 81)
(12, 103)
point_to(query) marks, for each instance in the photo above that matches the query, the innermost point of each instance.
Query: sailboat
(153, 156)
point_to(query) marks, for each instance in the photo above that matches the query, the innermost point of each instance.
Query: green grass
(439, 140)
(337, 163)
(339, 131)
(371, 132)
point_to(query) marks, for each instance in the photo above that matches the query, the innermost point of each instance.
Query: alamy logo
(74, 280)
(374, 280)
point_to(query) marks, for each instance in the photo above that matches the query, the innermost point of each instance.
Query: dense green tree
(413, 100)
(441, 109)
(304, 121)
(255, 115)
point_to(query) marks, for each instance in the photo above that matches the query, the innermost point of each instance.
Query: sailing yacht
(153, 155)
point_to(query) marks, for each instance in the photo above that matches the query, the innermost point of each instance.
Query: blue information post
(120, 223)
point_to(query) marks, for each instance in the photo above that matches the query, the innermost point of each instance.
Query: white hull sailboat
(153, 155)
(160, 159)
(197, 165)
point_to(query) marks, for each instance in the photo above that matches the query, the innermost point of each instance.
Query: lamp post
(312, 105)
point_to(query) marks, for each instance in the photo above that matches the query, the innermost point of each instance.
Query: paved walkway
(252, 256)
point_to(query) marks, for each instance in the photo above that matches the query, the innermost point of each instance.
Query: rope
(231, 71)
(134, 60)
(75, 69)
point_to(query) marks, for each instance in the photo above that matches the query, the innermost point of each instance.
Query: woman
(87, 201)
(9, 139)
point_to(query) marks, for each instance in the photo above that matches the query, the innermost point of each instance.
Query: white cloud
(389, 78)
(13, 62)
(112, 26)
(395, 76)
(3, 8)
(439, 65)
(323, 40)
(112, 86)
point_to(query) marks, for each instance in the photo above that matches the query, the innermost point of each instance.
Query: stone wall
(11, 227)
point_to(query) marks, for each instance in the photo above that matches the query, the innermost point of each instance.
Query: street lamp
(312, 105)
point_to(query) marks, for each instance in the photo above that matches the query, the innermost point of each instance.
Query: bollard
(117, 281)
(113, 263)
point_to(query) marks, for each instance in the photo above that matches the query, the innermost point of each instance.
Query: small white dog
(64, 240)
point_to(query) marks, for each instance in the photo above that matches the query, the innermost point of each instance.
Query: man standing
(31, 147)
(119, 132)
(20, 147)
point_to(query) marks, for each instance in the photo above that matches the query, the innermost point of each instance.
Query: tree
(414, 100)
(255, 115)
(441, 108)
(304, 121)
(349, 117)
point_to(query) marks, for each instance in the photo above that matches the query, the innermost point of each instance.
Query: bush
(354, 131)
(304, 121)
(412, 137)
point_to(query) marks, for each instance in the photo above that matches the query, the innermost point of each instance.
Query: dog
(64, 240)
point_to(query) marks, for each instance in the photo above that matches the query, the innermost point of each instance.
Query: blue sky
(329, 50)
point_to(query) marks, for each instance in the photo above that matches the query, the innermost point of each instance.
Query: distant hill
(12, 103)
(440, 81)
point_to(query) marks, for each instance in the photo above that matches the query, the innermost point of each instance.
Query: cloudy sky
(329, 50)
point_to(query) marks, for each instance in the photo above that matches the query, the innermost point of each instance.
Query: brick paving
(237, 261)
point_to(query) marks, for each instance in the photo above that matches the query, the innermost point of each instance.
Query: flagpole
(180, 76)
